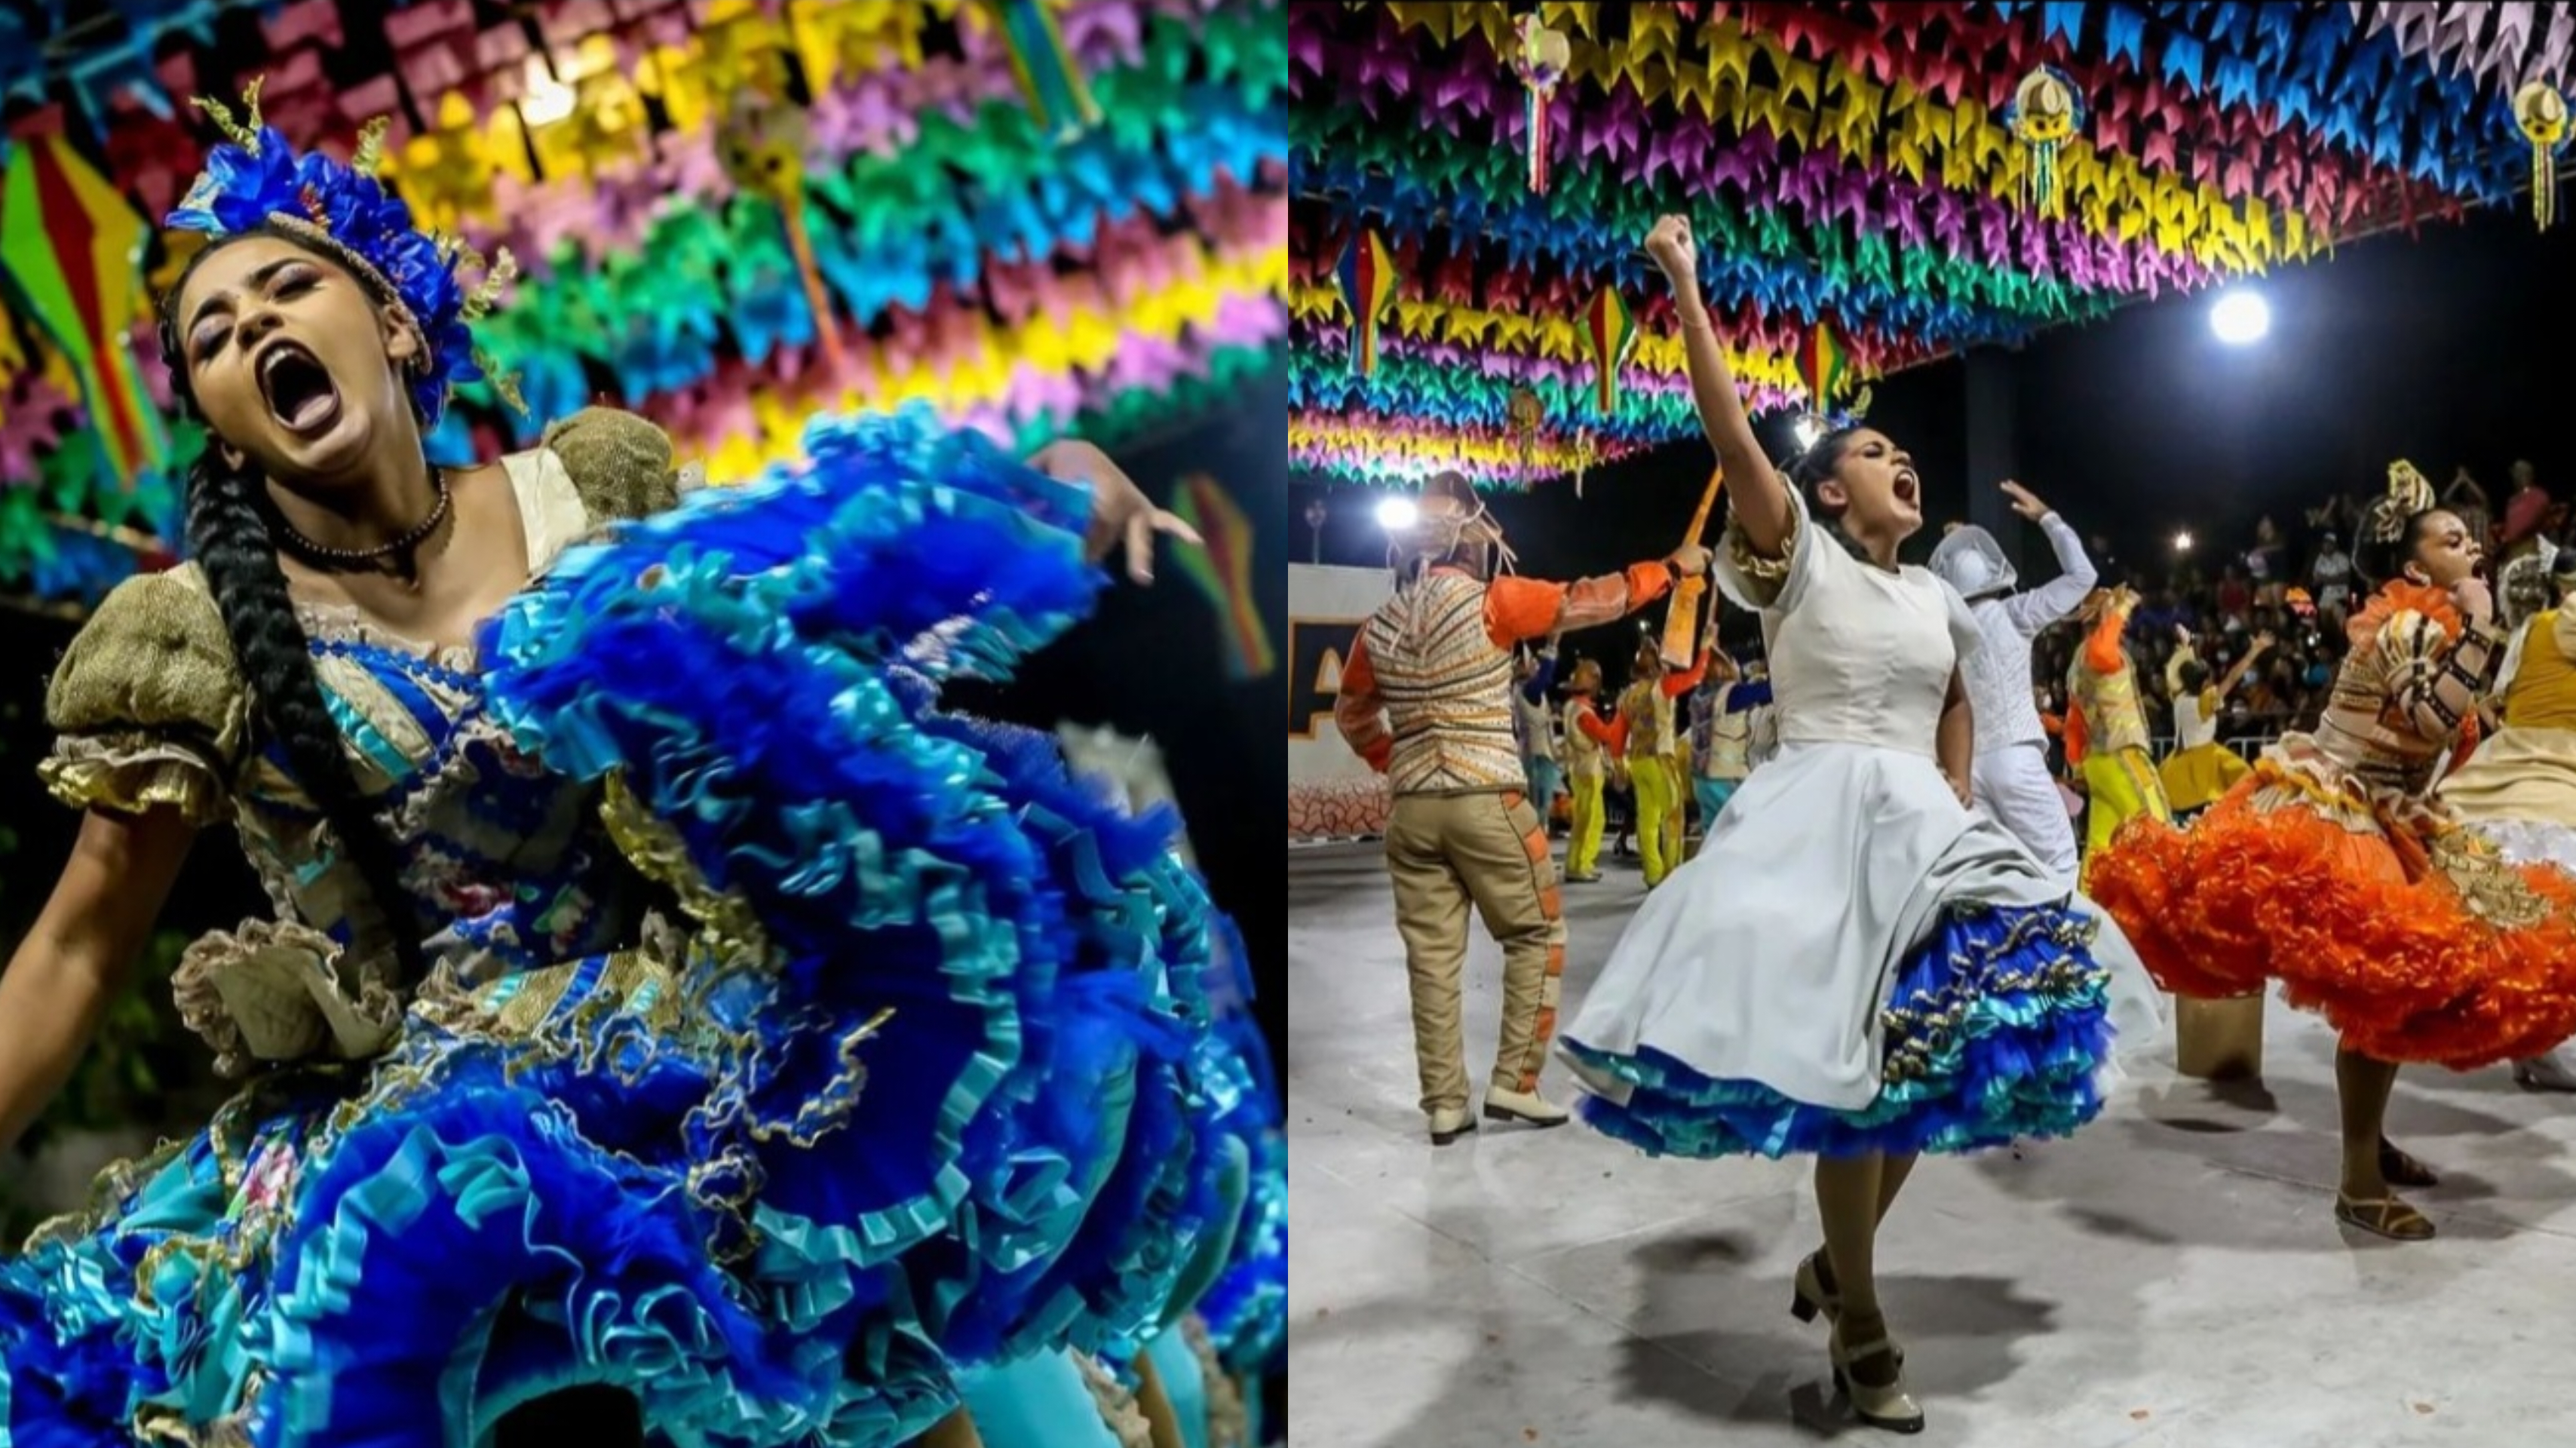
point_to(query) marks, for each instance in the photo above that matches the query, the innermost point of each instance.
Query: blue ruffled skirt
(1995, 1030)
(926, 1084)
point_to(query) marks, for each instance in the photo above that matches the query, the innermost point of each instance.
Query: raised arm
(2439, 678)
(1542, 678)
(1519, 609)
(2182, 655)
(2236, 672)
(2102, 646)
(2037, 608)
(80, 954)
(1758, 496)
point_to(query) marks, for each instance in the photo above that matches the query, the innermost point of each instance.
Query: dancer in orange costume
(2106, 727)
(1427, 700)
(2334, 869)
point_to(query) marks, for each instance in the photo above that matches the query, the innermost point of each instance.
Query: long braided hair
(230, 538)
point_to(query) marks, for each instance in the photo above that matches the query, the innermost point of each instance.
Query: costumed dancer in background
(2335, 870)
(1587, 739)
(1856, 964)
(548, 1137)
(1644, 737)
(1534, 726)
(2519, 788)
(2010, 778)
(1721, 737)
(2106, 727)
(1427, 700)
(2200, 771)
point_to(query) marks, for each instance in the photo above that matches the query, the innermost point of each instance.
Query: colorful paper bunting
(1919, 177)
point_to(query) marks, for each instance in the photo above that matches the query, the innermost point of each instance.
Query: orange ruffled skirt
(2404, 931)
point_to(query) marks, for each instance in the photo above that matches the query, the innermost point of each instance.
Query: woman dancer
(2519, 789)
(2335, 869)
(2201, 770)
(1856, 965)
(673, 1024)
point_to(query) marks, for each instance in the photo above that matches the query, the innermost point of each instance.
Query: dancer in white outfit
(1856, 965)
(2010, 778)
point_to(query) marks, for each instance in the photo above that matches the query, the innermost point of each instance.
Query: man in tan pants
(1426, 700)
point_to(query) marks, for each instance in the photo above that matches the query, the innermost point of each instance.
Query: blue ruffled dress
(787, 1047)
(1855, 961)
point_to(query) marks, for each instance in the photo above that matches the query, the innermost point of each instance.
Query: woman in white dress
(1856, 965)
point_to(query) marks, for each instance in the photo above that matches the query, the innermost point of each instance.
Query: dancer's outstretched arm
(1755, 493)
(2037, 608)
(2236, 673)
(80, 954)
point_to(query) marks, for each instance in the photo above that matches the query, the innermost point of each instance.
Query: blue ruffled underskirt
(1995, 1031)
(962, 1102)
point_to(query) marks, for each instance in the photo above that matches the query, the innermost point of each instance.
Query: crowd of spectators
(2299, 588)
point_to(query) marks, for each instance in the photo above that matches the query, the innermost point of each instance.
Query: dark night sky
(2433, 348)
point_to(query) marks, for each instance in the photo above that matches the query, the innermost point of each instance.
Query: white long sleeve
(2036, 608)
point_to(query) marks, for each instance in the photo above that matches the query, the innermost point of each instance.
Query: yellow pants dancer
(2120, 785)
(1658, 815)
(1583, 832)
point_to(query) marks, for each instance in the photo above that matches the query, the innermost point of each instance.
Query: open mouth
(1909, 488)
(299, 390)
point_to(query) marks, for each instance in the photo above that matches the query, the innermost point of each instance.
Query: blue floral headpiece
(258, 180)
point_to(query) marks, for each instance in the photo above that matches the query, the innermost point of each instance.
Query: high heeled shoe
(1888, 1407)
(1810, 1296)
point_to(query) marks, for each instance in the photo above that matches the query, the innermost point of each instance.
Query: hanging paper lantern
(1367, 275)
(1525, 414)
(1540, 61)
(1050, 77)
(2541, 112)
(71, 258)
(2045, 114)
(1825, 367)
(1610, 333)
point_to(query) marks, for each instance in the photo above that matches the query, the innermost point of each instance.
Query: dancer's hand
(2471, 596)
(1120, 511)
(2262, 644)
(1959, 787)
(1671, 247)
(2025, 502)
(1691, 558)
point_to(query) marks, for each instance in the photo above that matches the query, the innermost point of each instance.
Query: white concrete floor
(2173, 1276)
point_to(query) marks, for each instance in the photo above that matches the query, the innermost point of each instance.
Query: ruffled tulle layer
(1994, 1032)
(896, 856)
(2376, 937)
(924, 1085)
(2531, 842)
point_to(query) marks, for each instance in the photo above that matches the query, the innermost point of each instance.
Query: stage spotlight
(2182, 542)
(1395, 514)
(2240, 317)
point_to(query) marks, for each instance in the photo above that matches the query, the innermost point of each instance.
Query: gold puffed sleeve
(148, 704)
(619, 463)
